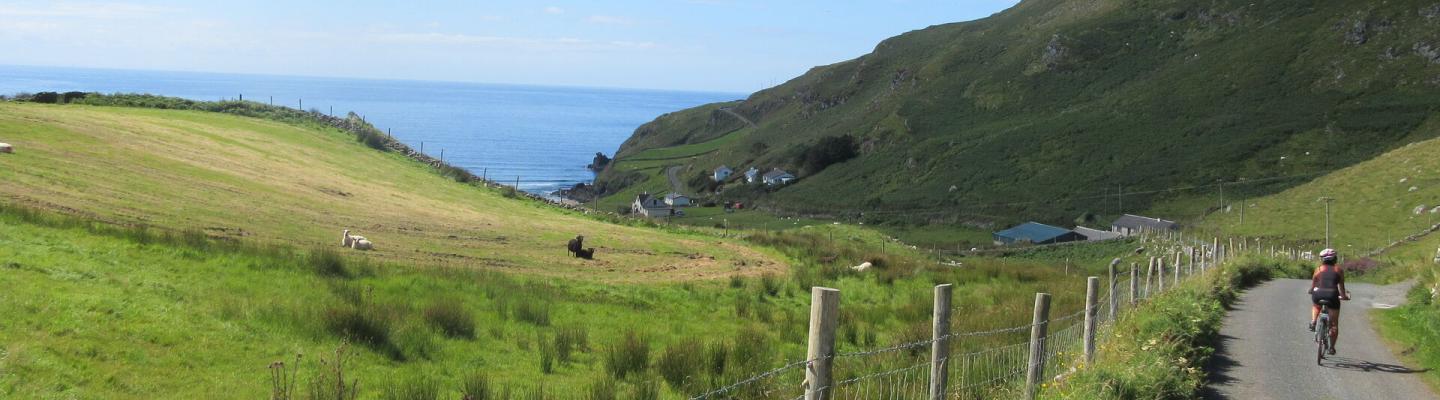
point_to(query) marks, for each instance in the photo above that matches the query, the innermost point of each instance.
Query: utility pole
(1221, 185)
(1327, 201)
(1120, 199)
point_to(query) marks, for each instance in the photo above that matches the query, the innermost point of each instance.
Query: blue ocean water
(545, 136)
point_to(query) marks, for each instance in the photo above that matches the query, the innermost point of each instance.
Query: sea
(541, 136)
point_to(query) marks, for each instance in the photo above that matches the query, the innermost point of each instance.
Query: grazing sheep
(6, 148)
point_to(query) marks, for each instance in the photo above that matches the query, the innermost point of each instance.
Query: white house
(722, 173)
(752, 175)
(778, 177)
(677, 200)
(649, 206)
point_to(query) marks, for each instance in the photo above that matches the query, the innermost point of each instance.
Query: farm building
(649, 206)
(752, 175)
(778, 177)
(1036, 233)
(677, 200)
(1131, 225)
(722, 173)
(1095, 235)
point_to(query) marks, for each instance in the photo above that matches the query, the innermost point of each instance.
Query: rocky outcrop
(1429, 52)
(1054, 54)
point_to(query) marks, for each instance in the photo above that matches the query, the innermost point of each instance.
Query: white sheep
(356, 242)
(6, 148)
(862, 267)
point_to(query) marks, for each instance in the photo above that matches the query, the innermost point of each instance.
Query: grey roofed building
(1130, 225)
(650, 206)
(777, 177)
(1095, 235)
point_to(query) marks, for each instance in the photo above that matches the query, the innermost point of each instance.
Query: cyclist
(1328, 283)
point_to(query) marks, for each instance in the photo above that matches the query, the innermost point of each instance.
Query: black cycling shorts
(1321, 295)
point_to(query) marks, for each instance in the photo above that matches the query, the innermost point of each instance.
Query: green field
(177, 254)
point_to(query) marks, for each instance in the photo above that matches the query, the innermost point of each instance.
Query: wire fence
(997, 363)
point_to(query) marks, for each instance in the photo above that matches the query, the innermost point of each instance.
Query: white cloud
(609, 20)
(554, 10)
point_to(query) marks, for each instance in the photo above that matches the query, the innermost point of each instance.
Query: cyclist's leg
(1334, 326)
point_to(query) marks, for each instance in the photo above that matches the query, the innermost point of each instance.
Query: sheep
(6, 148)
(356, 242)
(862, 267)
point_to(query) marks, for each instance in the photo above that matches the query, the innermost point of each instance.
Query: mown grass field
(272, 182)
(176, 254)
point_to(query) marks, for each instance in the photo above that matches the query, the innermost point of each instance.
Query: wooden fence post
(824, 315)
(1114, 297)
(1134, 283)
(1036, 369)
(939, 341)
(1092, 286)
(1160, 274)
(1176, 276)
(1149, 275)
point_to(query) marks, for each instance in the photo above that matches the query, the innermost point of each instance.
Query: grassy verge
(1414, 328)
(1158, 351)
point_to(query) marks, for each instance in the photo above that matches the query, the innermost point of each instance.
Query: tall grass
(630, 356)
(451, 317)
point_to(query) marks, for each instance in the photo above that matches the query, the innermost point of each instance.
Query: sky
(704, 45)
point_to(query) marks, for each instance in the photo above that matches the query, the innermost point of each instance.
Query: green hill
(1042, 110)
(176, 254)
(265, 181)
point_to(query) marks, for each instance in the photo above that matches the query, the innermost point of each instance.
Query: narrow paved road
(1266, 353)
(742, 118)
(673, 173)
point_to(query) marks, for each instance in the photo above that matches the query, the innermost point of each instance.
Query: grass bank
(1158, 351)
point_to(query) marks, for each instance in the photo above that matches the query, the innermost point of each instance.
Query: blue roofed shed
(1036, 233)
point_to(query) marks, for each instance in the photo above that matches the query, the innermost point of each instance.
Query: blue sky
(715, 45)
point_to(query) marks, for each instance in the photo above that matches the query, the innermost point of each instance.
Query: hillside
(1042, 110)
(1377, 202)
(272, 182)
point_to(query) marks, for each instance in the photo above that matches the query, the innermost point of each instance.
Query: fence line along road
(996, 363)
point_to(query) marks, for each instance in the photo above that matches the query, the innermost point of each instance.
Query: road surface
(1266, 352)
(673, 174)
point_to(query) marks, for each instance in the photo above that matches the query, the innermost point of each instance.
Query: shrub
(475, 386)
(416, 340)
(451, 317)
(328, 382)
(680, 363)
(631, 355)
(46, 97)
(828, 151)
(717, 354)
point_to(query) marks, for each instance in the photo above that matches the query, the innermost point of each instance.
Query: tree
(828, 151)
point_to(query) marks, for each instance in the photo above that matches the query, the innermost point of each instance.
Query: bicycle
(1322, 332)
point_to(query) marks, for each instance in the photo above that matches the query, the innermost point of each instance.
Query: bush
(451, 317)
(631, 355)
(771, 284)
(828, 151)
